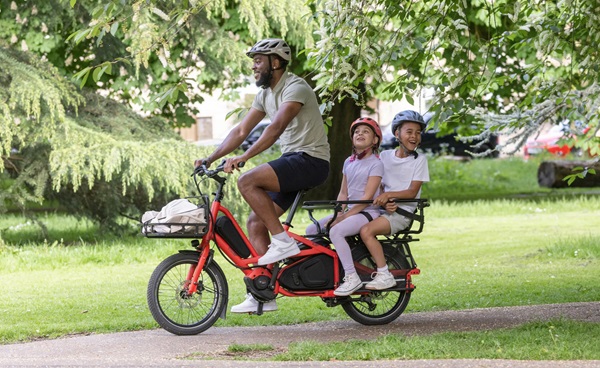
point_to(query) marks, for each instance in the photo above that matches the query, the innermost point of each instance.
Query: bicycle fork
(193, 275)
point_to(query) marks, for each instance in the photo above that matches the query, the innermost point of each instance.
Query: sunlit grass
(551, 340)
(471, 254)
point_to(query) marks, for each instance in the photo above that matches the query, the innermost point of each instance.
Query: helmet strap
(406, 151)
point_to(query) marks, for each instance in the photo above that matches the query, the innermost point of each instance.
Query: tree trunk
(551, 174)
(343, 114)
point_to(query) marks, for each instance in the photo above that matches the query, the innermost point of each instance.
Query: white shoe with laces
(381, 280)
(352, 282)
(278, 250)
(250, 305)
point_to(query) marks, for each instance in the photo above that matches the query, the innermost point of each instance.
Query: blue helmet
(408, 115)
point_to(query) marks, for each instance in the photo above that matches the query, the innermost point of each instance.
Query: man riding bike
(270, 188)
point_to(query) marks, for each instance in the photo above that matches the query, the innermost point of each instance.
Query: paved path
(161, 349)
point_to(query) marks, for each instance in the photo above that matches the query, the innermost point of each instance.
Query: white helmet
(271, 46)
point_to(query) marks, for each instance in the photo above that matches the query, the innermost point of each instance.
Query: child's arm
(384, 198)
(343, 194)
(372, 184)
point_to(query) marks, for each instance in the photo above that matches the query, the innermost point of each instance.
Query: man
(270, 188)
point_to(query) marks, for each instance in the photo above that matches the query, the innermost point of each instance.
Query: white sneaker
(381, 280)
(351, 283)
(250, 305)
(278, 250)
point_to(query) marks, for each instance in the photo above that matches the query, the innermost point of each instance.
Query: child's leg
(312, 228)
(368, 235)
(338, 235)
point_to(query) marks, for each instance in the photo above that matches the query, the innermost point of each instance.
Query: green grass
(550, 340)
(484, 252)
(489, 179)
(471, 254)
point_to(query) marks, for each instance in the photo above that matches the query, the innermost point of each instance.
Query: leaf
(239, 111)
(83, 76)
(114, 28)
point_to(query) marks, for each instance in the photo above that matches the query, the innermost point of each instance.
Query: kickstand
(259, 310)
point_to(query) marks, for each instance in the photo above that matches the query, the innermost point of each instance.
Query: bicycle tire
(176, 311)
(388, 304)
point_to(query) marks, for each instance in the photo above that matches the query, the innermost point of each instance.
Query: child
(404, 173)
(361, 180)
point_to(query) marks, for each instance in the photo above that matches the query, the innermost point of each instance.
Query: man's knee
(246, 181)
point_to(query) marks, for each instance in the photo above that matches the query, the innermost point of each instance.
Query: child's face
(364, 137)
(409, 135)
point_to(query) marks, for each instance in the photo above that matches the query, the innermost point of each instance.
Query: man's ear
(275, 63)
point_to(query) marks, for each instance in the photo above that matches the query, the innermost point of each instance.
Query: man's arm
(287, 112)
(237, 135)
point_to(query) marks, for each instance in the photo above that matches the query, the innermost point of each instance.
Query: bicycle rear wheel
(173, 307)
(379, 306)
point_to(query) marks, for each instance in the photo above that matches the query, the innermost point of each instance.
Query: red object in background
(548, 142)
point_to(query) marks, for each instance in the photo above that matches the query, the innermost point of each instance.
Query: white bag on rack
(179, 211)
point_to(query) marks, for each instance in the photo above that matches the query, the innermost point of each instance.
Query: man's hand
(233, 163)
(201, 161)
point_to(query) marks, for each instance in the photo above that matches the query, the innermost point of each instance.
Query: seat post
(294, 207)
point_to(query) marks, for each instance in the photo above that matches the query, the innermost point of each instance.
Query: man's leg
(253, 186)
(258, 233)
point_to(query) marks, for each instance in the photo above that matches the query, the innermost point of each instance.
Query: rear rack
(335, 205)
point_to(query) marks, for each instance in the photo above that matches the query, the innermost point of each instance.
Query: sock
(282, 237)
(383, 269)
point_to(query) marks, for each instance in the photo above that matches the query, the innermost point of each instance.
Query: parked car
(550, 142)
(446, 144)
(254, 134)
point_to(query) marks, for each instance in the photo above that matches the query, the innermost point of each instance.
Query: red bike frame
(247, 264)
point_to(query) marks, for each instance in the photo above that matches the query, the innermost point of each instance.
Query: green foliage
(581, 172)
(488, 66)
(33, 101)
(181, 46)
(53, 144)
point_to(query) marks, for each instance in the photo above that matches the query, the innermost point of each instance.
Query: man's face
(261, 67)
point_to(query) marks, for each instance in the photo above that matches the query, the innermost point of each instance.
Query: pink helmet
(371, 123)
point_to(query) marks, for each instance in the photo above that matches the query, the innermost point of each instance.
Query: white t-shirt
(400, 172)
(306, 132)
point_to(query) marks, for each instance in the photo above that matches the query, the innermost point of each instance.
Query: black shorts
(297, 171)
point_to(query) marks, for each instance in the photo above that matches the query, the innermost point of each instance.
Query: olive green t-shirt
(306, 132)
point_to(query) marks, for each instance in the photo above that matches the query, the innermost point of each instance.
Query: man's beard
(264, 80)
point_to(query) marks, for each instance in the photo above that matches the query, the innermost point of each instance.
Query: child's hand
(391, 207)
(338, 219)
(382, 200)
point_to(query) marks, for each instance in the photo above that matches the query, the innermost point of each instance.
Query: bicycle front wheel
(173, 307)
(379, 306)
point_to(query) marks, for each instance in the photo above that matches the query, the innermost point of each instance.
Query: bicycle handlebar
(203, 170)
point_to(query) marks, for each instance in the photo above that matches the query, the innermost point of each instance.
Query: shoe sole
(263, 263)
(253, 311)
(383, 288)
(350, 292)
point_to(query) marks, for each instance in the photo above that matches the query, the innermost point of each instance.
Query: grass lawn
(479, 253)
